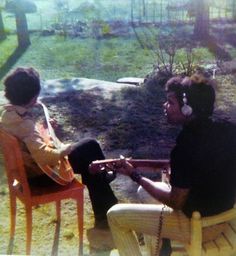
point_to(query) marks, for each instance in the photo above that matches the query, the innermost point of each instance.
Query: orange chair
(30, 195)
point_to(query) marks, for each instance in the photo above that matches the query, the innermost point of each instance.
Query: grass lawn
(106, 59)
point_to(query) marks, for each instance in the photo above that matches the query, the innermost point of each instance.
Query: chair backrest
(14, 165)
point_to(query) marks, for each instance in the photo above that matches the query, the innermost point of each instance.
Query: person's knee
(90, 149)
(144, 196)
(115, 213)
(90, 142)
(93, 142)
(94, 145)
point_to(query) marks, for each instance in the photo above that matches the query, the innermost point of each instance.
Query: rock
(53, 87)
(228, 66)
(131, 80)
(68, 234)
(56, 86)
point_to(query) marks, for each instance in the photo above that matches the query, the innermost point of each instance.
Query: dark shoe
(100, 241)
(166, 247)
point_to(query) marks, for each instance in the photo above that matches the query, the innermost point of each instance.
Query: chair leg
(80, 214)
(58, 210)
(28, 229)
(13, 207)
(13, 215)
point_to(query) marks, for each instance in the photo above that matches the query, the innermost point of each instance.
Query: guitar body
(62, 173)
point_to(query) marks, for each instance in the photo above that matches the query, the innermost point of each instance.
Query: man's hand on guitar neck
(114, 164)
(106, 165)
(123, 166)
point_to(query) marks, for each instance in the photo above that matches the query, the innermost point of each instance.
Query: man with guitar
(202, 172)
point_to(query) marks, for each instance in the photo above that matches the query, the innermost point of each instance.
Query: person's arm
(173, 197)
(43, 153)
(24, 127)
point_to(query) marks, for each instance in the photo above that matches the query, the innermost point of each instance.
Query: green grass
(200, 56)
(105, 59)
(7, 47)
(108, 59)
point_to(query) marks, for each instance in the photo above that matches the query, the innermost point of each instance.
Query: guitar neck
(161, 163)
(148, 163)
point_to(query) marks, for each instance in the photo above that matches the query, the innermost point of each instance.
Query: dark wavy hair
(199, 91)
(22, 85)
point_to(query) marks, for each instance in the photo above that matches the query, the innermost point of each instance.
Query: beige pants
(124, 219)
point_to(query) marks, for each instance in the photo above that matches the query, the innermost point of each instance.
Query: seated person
(41, 148)
(202, 175)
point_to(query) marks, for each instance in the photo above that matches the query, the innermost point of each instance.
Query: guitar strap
(50, 129)
(62, 173)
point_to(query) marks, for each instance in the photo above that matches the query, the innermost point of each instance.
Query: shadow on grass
(56, 240)
(216, 49)
(132, 119)
(54, 247)
(10, 246)
(4, 69)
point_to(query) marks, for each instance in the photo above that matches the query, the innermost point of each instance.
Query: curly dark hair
(199, 91)
(22, 85)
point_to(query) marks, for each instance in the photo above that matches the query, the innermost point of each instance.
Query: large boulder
(56, 86)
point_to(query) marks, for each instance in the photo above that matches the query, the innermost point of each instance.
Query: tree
(20, 8)
(201, 26)
(2, 30)
(234, 9)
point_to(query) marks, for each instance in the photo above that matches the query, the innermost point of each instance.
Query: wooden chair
(223, 245)
(32, 195)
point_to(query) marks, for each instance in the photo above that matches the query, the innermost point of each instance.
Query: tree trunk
(2, 31)
(22, 29)
(201, 26)
(234, 10)
(132, 10)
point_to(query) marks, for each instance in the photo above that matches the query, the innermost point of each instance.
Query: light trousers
(124, 219)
